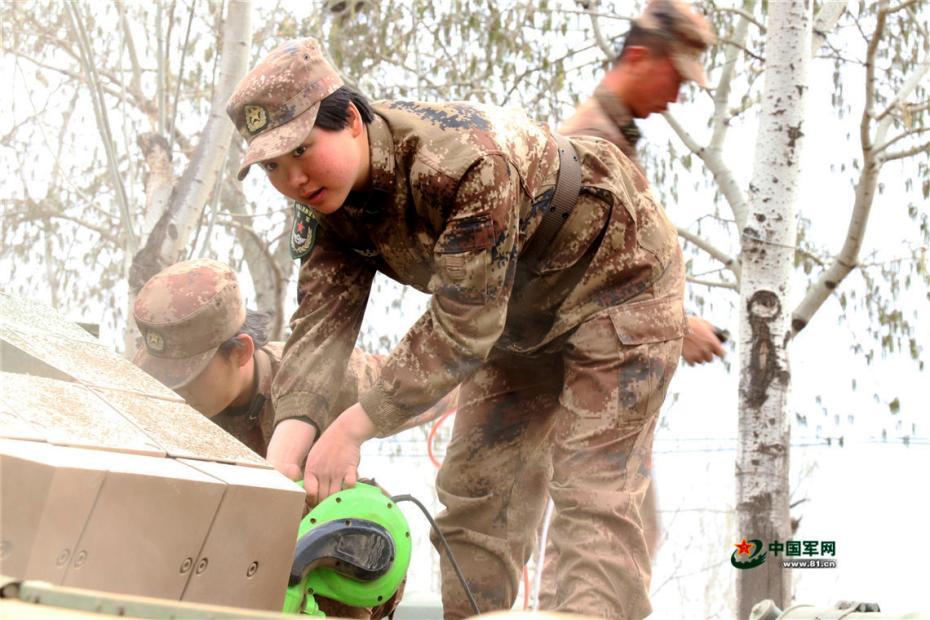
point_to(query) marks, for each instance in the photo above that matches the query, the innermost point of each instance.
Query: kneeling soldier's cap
(185, 313)
(275, 105)
(687, 32)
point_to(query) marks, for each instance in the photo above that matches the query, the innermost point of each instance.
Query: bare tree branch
(746, 15)
(713, 283)
(103, 123)
(728, 184)
(830, 13)
(742, 47)
(177, 91)
(174, 230)
(728, 261)
(920, 148)
(136, 82)
(901, 136)
(847, 260)
(725, 84)
(602, 43)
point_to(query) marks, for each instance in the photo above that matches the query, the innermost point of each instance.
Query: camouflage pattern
(688, 35)
(456, 192)
(594, 429)
(275, 105)
(184, 313)
(253, 424)
(604, 115)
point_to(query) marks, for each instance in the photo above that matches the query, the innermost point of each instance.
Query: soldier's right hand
(290, 443)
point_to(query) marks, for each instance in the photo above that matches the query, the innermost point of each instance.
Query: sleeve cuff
(384, 414)
(300, 405)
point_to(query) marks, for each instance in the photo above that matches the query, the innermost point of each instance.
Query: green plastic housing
(363, 501)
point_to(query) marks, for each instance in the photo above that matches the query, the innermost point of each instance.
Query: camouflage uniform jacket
(605, 116)
(253, 424)
(456, 190)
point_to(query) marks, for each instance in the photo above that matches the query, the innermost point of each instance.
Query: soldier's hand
(332, 464)
(289, 446)
(701, 343)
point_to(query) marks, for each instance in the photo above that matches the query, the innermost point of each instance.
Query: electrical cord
(458, 571)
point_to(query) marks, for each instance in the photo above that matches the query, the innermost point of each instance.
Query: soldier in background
(201, 341)
(661, 50)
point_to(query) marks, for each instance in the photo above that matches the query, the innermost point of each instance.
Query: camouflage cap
(185, 313)
(274, 107)
(688, 33)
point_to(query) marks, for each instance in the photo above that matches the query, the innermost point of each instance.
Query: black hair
(655, 42)
(334, 109)
(255, 326)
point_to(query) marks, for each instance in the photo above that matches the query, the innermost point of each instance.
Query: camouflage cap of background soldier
(275, 105)
(185, 313)
(687, 32)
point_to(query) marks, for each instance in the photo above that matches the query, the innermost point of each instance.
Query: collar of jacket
(381, 171)
(618, 113)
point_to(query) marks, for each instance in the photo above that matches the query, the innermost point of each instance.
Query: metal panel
(70, 414)
(180, 430)
(149, 522)
(67, 505)
(248, 553)
(24, 486)
(26, 316)
(13, 426)
(89, 362)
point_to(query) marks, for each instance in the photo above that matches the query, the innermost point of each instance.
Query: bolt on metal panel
(180, 430)
(52, 511)
(149, 522)
(245, 561)
(70, 414)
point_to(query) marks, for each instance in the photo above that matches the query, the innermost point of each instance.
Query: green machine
(354, 547)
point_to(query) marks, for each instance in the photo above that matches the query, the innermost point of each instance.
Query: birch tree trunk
(768, 238)
(168, 240)
(171, 236)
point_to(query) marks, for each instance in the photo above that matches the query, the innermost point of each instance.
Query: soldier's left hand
(701, 344)
(332, 464)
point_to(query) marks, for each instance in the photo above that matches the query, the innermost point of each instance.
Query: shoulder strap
(567, 186)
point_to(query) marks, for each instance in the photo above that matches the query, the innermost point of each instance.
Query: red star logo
(300, 227)
(743, 548)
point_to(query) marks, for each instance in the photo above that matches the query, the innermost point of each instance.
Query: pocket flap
(650, 320)
(467, 234)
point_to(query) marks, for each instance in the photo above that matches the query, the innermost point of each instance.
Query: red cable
(437, 464)
(432, 437)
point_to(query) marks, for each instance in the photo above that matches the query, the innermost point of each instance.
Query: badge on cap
(255, 118)
(303, 234)
(154, 342)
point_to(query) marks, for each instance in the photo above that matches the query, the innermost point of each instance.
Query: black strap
(567, 186)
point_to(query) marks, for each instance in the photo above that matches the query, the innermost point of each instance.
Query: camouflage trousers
(576, 425)
(652, 529)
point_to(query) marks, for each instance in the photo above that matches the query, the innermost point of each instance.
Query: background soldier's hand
(332, 464)
(289, 446)
(701, 343)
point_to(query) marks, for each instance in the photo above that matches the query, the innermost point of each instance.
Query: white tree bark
(768, 239)
(169, 240)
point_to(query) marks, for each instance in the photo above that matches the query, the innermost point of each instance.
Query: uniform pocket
(462, 256)
(650, 320)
